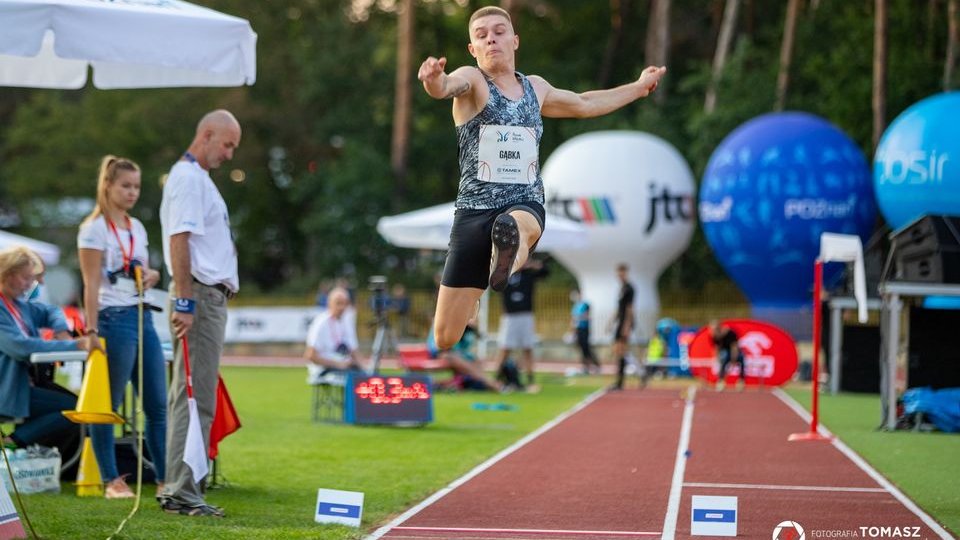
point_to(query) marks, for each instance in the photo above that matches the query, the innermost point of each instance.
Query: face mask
(33, 293)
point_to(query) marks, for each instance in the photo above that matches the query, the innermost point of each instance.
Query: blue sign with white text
(338, 510)
(712, 515)
(339, 507)
(715, 516)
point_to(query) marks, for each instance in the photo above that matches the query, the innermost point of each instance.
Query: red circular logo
(769, 354)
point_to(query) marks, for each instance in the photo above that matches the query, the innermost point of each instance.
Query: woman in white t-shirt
(111, 245)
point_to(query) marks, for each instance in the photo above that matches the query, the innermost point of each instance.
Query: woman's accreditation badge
(508, 155)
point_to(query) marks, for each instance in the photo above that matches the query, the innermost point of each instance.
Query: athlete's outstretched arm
(438, 84)
(557, 103)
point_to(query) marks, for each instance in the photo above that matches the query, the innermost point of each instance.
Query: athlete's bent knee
(446, 336)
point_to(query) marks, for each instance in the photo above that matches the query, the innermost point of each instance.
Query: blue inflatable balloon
(917, 167)
(770, 189)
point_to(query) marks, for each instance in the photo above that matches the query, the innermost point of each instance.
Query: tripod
(383, 338)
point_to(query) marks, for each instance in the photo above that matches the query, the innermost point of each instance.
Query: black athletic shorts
(468, 259)
(618, 333)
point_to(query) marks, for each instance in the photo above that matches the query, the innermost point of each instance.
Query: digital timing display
(378, 399)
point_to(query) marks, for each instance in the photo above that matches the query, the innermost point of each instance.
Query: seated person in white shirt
(332, 339)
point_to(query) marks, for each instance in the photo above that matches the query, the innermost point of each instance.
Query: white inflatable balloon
(634, 192)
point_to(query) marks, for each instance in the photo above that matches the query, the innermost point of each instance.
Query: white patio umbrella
(48, 252)
(128, 43)
(429, 228)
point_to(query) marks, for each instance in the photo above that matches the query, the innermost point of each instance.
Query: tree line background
(337, 131)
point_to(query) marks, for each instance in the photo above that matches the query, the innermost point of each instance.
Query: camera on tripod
(379, 301)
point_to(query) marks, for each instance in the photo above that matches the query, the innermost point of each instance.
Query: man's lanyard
(189, 157)
(127, 257)
(12, 308)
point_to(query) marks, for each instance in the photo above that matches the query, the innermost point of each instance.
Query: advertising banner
(769, 354)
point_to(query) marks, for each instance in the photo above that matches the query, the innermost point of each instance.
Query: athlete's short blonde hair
(489, 10)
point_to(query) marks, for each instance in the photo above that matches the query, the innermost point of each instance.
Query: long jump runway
(626, 464)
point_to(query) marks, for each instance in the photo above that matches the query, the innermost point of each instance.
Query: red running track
(608, 471)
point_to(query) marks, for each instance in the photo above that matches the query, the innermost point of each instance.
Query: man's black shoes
(506, 242)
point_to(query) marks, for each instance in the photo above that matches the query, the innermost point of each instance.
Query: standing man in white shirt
(201, 257)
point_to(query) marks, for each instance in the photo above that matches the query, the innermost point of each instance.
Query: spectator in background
(345, 284)
(111, 244)
(43, 374)
(350, 315)
(517, 324)
(468, 373)
(728, 350)
(400, 304)
(623, 325)
(322, 291)
(40, 408)
(332, 338)
(580, 326)
(663, 349)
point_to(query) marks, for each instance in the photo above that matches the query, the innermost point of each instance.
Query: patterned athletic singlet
(499, 151)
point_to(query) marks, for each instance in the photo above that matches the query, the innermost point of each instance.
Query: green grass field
(275, 464)
(925, 466)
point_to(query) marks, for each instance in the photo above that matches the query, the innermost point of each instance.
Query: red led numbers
(390, 390)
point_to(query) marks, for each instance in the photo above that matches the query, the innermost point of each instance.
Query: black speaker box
(941, 267)
(934, 358)
(860, 359)
(928, 250)
(927, 235)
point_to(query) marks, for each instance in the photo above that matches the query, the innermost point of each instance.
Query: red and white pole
(814, 434)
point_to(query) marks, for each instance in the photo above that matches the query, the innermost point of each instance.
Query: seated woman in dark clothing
(468, 373)
(38, 409)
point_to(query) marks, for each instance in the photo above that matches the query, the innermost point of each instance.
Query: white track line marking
(788, 488)
(529, 531)
(679, 466)
(484, 466)
(866, 467)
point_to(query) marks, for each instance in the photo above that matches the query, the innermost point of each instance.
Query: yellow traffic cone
(93, 405)
(89, 483)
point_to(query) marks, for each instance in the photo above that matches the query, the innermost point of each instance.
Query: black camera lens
(377, 283)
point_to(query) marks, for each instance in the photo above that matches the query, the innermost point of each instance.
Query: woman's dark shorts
(468, 259)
